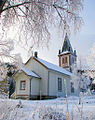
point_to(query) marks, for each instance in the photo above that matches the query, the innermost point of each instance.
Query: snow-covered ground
(55, 109)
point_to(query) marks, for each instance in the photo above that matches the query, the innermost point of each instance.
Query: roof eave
(40, 63)
(25, 74)
(59, 72)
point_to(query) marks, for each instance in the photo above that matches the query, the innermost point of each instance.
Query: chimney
(36, 54)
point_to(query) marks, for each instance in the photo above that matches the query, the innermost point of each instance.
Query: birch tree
(34, 17)
(80, 81)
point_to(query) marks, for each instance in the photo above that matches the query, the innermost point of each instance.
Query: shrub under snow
(49, 113)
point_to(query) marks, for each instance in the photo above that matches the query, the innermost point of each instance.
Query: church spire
(67, 45)
(66, 55)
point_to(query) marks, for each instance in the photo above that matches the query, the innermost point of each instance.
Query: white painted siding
(53, 84)
(35, 86)
(19, 78)
(42, 72)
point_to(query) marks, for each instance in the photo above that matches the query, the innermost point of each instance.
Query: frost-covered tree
(79, 79)
(11, 70)
(6, 46)
(91, 58)
(80, 82)
(91, 64)
(32, 18)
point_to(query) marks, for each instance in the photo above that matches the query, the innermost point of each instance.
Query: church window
(72, 87)
(22, 85)
(60, 84)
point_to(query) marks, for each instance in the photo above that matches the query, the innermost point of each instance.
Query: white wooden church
(42, 79)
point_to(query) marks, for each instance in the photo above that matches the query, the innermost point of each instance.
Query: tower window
(63, 60)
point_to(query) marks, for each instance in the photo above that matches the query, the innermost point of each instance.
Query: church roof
(67, 45)
(27, 72)
(30, 73)
(53, 67)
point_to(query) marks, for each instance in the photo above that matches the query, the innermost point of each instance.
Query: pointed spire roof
(67, 45)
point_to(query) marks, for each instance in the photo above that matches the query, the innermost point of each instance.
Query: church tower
(67, 56)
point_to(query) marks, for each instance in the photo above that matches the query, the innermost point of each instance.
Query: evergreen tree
(11, 70)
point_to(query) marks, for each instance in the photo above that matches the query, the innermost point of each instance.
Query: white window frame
(22, 85)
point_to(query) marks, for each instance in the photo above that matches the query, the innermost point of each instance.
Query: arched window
(63, 61)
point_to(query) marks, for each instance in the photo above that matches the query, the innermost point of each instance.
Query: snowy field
(55, 109)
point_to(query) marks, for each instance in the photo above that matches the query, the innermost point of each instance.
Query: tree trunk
(2, 3)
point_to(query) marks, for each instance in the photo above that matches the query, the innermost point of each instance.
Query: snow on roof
(65, 52)
(54, 67)
(30, 73)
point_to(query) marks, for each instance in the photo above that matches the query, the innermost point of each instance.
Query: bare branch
(2, 3)
(23, 3)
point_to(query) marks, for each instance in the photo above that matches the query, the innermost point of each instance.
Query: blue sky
(82, 41)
